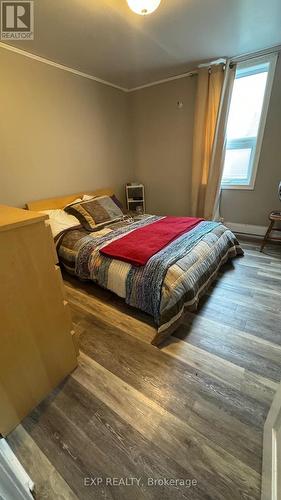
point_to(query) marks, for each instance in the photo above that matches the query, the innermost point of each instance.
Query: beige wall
(163, 148)
(252, 207)
(162, 142)
(59, 133)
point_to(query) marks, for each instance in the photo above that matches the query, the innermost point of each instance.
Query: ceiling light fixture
(143, 7)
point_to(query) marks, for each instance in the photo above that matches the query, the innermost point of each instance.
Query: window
(246, 121)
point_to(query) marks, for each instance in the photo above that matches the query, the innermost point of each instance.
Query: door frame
(271, 483)
(14, 481)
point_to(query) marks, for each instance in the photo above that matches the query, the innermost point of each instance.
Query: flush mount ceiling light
(143, 7)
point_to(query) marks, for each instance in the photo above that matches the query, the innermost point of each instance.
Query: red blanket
(138, 246)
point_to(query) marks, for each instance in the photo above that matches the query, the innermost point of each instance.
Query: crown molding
(59, 66)
(246, 56)
(165, 80)
(43, 60)
(236, 59)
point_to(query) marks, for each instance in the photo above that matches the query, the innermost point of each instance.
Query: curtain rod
(221, 60)
(236, 59)
(232, 61)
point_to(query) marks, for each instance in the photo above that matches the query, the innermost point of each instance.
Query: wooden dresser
(36, 347)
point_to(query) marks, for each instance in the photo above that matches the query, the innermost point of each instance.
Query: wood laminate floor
(193, 410)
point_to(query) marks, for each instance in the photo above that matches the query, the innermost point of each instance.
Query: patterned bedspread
(171, 281)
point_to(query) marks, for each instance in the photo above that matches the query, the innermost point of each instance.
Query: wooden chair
(274, 217)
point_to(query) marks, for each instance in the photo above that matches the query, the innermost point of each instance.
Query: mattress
(172, 281)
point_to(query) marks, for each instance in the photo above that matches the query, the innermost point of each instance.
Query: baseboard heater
(249, 229)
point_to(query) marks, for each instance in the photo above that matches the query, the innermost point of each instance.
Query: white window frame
(255, 155)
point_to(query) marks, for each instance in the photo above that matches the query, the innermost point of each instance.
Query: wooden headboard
(60, 202)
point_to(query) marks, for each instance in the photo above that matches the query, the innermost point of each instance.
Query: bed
(170, 283)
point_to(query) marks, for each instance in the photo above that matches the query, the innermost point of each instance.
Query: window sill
(247, 187)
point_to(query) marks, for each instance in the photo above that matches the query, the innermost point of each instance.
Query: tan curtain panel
(207, 109)
(213, 188)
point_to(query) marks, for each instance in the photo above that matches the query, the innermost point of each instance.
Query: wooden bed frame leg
(160, 337)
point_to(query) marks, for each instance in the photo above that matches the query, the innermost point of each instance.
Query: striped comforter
(172, 280)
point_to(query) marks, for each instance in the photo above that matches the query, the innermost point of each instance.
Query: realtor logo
(17, 20)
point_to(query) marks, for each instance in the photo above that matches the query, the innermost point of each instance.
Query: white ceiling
(105, 39)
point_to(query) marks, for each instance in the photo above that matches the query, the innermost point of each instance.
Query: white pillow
(60, 220)
(87, 197)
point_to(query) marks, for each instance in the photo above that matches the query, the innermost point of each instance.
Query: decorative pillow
(95, 212)
(117, 202)
(87, 197)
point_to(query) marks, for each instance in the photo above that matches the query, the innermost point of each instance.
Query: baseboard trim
(250, 229)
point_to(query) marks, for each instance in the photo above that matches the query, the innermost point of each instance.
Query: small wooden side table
(274, 217)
